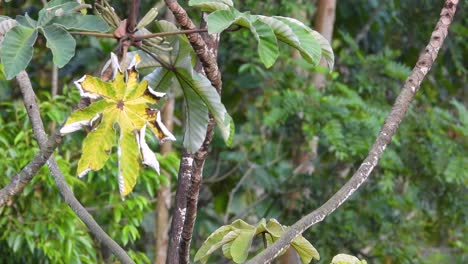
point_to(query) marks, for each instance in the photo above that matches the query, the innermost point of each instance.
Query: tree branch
(389, 128)
(206, 53)
(180, 208)
(40, 135)
(22, 178)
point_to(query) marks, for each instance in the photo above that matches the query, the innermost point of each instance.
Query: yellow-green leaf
(123, 104)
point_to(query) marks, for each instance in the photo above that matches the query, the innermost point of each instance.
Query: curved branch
(389, 128)
(41, 137)
(22, 178)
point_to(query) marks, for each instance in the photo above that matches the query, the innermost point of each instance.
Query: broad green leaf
(196, 119)
(345, 259)
(241, 245)
(211, 5)
(55, 9)
(313, 43)
(26, 21)
(200, 96)
(212, 240)
(124, 104)
(227, 250)
(267, 44)
(16, 50)
(312, 51)
(304, 248)
(221, 20)
(61, 43)
(202, 88)
(161, 78)
(82, 22)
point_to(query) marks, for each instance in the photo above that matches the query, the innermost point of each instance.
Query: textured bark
(180, 210)
(205, 55)
(212, 42)
(389, 128)
(187, 205)
(41, 137)
(324, 21)
(164, 192)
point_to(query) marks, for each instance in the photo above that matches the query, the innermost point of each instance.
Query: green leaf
(124, 102)
(345, 259)
(16, 50)
(26, 21)
(211, 5)
(55, 9)
(311, 50)
(202, 88)
(82, 22)
(196, 119)
(304, 248)
(221, 20)
(213, 242)
(61, 43)
(267, 44)
(313, 43)
(241, 245)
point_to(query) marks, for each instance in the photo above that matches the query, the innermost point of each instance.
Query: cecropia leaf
(124, 104)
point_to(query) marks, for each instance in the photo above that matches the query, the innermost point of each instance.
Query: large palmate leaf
(16, 49)
(53, 21)
(125, 104)
(200, 96)
(236, 239)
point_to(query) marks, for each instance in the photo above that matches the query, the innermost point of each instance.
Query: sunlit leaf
(125, 104)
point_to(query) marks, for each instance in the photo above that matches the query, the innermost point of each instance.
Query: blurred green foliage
(412, 210)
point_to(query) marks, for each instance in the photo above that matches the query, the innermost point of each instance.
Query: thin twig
(41, 137)
(137, 38)
(389, 128)
(94, 34)
(163, 34)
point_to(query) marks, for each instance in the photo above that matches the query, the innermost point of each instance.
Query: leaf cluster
(54, 21)
(236, 240)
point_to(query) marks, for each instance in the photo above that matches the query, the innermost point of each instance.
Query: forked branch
(389, 128)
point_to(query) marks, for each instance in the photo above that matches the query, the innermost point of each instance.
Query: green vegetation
(293, 145)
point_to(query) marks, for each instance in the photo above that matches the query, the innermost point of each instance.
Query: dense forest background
(294, 146)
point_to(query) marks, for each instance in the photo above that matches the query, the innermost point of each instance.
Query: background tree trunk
(324, 21)
(164, 192)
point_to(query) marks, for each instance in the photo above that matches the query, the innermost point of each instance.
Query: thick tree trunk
(324, 21)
